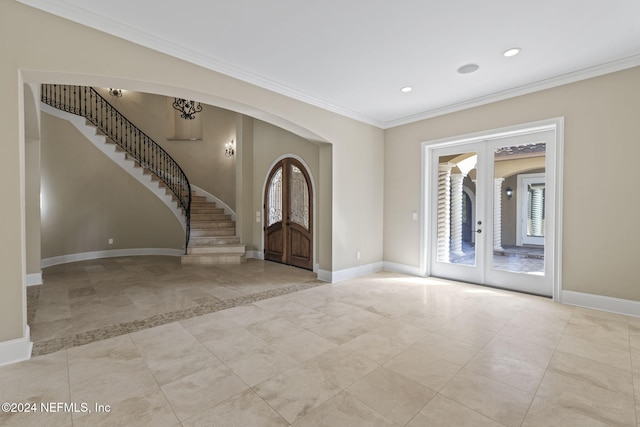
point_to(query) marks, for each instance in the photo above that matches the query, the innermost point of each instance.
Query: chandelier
(187, 109)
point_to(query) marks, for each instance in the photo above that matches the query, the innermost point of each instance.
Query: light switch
(414, 215)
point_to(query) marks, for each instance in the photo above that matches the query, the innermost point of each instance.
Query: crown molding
(586, 73)
(88, 18)
(101, 23)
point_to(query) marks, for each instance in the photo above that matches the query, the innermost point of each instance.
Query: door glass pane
(299, 201)
(456, 232)
(519, 208)
(274, 198)
(535, 210)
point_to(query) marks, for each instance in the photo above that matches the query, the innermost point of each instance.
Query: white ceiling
(353, 56)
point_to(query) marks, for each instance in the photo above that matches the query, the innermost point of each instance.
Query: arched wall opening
(247, 207)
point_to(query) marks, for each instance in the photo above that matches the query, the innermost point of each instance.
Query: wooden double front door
(288, 214)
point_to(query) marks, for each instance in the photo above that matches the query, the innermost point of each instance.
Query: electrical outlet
(110, 240)
(358, 255)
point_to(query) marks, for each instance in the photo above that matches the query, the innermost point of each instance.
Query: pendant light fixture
(187, 109)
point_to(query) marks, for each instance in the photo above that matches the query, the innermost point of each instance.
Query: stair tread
(206, 241)
(213, 259)
(220, 244)
(216, 251)
(210, 226)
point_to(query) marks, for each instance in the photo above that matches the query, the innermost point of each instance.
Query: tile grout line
(144, 360)
(546, 369)
(633, 376)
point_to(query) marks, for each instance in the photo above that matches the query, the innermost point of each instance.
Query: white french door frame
(554, 164)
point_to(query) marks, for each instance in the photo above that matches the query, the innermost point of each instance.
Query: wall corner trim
(349, 273)
(34, 279)
(16, 350)
(254, 255)
(599, 302)
(410, 270)
(324, 275)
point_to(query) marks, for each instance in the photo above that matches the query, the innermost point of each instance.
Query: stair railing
(85, 101)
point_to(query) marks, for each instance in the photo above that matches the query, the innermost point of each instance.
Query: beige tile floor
(381, 350)
(87, 301)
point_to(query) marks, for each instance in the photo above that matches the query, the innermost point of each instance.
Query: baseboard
(599, 302)
(324, 275)
(34, 279)
(349, 273)
(255, 255)
(17, 350)
(84, 256)
(410, 270)
(260, 255)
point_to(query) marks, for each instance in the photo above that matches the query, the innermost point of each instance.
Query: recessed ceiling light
(511, 52)
(406, 89)
(469, 68)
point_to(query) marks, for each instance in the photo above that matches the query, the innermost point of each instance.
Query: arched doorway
(288, 214)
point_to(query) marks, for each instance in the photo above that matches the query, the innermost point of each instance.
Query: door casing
(556, 125)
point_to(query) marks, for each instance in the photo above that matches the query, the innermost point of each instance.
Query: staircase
(213, 236)
(121, 158)
(210, 234)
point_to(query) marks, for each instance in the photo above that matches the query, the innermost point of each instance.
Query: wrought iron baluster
(86, 102)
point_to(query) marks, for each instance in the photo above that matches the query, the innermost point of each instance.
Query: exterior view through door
(492, 211)
(288, 212)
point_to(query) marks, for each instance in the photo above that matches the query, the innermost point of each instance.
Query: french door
(485, 195)
(288, 213)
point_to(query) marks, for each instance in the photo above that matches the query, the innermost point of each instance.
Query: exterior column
(456, 213)
(444, 212)
(537, 210)
(497, 214)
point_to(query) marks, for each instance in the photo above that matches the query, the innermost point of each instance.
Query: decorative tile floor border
(43, 347)
(33, 294)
